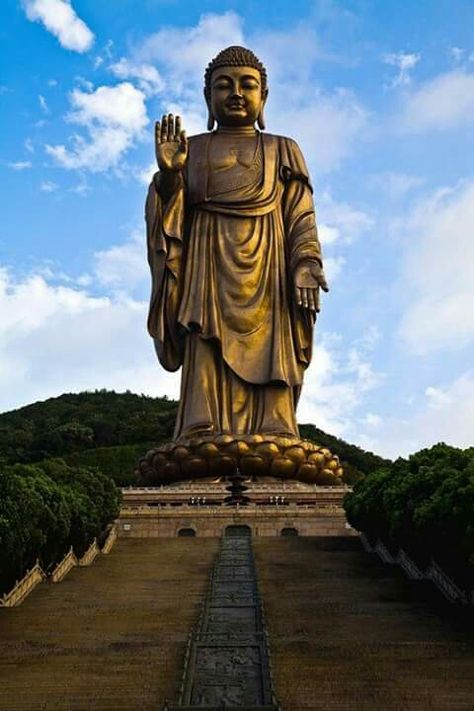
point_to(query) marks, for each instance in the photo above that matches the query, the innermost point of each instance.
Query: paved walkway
(348, 633)
(227, 661)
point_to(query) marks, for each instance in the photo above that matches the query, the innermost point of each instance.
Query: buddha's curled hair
(234, 56)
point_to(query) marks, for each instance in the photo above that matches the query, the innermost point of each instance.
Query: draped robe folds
(222, 251)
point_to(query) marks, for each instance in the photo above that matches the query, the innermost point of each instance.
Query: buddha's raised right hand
(171, 144)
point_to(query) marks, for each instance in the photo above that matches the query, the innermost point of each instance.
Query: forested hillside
(112, 431)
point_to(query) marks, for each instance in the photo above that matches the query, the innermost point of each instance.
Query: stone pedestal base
(253, 455)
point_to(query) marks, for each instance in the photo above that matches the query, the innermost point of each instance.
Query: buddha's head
(235, 88)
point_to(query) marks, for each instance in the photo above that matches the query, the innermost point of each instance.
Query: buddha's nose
(236, 99)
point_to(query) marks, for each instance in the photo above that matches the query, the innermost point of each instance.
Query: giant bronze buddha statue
(236, 271)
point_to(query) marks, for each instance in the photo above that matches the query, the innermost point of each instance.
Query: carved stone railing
(110, 540)
(90, 555)
(366, 543)
(433, 572)
(256, 486)
(24, 586)
(63, 567)
(410, 568)
(383, 553)
(139, 510)
(37, 575)
(443, 582)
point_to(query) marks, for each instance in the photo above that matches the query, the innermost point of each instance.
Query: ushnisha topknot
(234, 56)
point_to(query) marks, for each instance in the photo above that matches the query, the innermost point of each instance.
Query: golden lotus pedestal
(255, 455)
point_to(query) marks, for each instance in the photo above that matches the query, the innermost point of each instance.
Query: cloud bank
(114, 117)
(60, 18)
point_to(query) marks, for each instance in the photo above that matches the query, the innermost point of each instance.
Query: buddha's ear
(210, 121)
(210, 116)
(260, 117)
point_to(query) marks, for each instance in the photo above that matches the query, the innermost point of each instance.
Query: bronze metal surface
(236, 264)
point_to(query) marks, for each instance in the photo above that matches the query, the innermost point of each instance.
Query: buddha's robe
(222, 251)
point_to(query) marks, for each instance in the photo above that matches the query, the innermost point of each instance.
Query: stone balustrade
(90, 555)
(63, 567)
(433, 572)
(24, 587)
(36, 575)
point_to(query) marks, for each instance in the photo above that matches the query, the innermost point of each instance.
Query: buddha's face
(236, 95)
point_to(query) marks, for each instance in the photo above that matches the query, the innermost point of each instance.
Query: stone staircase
(345, 632)
(112, 636)
(349, 633)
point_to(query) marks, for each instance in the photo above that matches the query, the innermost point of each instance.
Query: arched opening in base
(186, 533)
(289, 531)
(238, 531)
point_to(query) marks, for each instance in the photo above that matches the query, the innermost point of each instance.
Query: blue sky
(379, 95)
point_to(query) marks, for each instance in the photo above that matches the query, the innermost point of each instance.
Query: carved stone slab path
(227, 665)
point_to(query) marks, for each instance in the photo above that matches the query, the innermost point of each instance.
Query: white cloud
(43, 103)
(107, 54)
(325, 125)
(29, 145)
(300, 42)
(445, 102)
(333, 266)
(336, 383)
(457, 54)
(185, 52)
(338, 221)
(404, 62)
(48, 186)
(146, 75)
(327, 234)
(85, 84)
(371, 420)
(395, 185)
(445, 415)
(338, 225)
(60, 18)
(114, 117)
(145, 174)
(72, 341)
(20, 165)
(182, 55)
(82, 188)
(123, 266)
(438, 278)
(437, 397)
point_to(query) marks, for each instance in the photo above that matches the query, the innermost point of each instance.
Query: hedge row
(423, 504)
(47, 507)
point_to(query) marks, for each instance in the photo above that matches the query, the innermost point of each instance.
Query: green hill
(112, 430)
